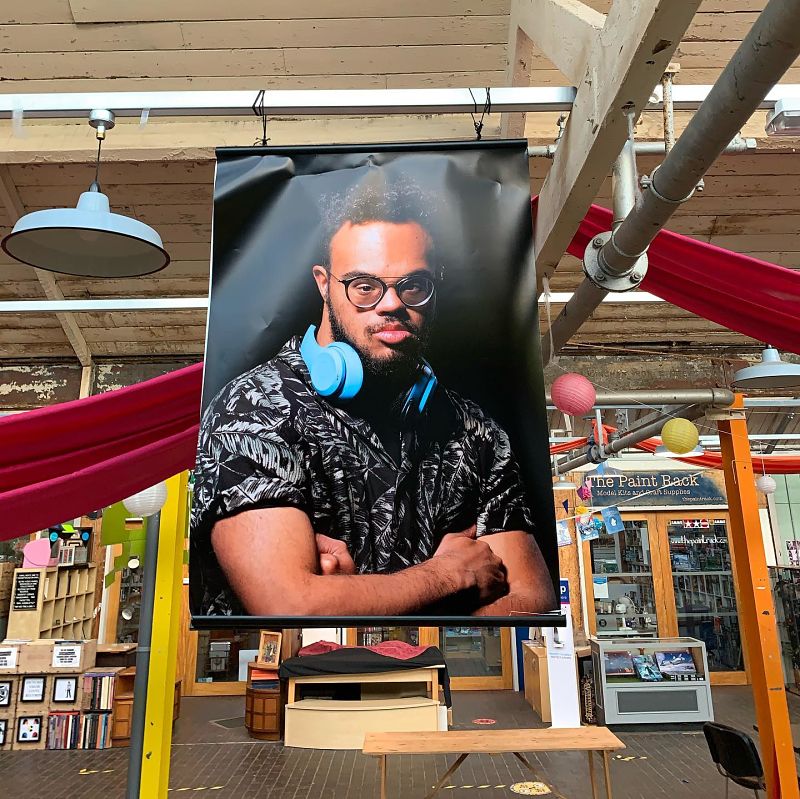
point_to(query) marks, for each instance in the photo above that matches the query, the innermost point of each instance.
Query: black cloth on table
(360, 660)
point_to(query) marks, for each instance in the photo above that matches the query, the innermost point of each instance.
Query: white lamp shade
(147, 502)
(564, 485)
(766, 484)
(88, 241)
(772, 372)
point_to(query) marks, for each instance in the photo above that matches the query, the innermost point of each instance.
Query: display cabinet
(651, 680)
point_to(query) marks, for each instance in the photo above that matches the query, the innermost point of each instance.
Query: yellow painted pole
(757, 610)
(164, 646)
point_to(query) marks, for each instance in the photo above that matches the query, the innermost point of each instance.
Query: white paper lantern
(147, 502)
(766, 484)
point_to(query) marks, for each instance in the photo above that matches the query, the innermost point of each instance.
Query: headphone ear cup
(327, 372)
(352, 369)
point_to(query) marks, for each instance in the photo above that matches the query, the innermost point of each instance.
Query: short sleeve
(248, 457)
(503, 500)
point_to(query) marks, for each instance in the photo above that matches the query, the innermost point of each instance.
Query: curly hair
(374, 199)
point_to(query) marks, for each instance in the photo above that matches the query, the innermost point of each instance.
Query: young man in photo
(378, 505)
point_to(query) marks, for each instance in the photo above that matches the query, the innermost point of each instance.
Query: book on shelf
(64, 729)
(95, 729)
(98, 687)
(264, 679)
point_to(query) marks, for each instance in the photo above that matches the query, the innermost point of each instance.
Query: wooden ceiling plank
(10, 199)
(155, 10)
(253, 33)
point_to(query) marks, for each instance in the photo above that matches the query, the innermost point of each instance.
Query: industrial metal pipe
(634, 436)
(716, 397)
(738, 145)
(145, 638)
(768, 50)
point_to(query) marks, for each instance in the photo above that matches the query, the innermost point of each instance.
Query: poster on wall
(373, 443)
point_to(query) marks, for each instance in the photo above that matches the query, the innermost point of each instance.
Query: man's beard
(401, 368)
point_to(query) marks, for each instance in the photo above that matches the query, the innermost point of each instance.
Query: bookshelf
(52, 603)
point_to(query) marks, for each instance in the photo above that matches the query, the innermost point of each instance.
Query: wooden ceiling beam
(15, 209)
(624, 61)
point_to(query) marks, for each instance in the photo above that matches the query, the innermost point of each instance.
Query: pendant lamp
(561, 484)
(772, 372)
(88, 240)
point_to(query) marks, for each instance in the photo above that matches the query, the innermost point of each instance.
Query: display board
(373, 445)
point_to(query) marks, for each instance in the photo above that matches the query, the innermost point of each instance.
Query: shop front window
(622, 579)
(223, 655)
(472, 651)
(370, 636)
(705, 598)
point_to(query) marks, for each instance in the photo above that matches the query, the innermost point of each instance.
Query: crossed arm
(273, 563)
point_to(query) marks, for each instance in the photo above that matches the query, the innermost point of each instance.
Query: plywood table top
(491, 741)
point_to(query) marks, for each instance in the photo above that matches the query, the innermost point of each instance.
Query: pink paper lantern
(573, 394)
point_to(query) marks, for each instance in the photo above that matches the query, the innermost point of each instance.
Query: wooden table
(463, 744)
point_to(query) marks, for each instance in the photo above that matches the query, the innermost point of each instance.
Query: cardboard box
(38, 657)
(10, 654)
(6, 581)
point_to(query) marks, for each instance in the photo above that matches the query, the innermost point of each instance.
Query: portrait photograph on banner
(373, 440)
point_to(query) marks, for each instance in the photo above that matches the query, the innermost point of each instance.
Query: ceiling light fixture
(89, 240)
(771, 372)
(784, 119)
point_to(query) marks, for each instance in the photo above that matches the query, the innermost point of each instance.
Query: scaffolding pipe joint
(609, 277)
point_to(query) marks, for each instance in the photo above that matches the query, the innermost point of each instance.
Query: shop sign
(26, 590)
(646, 489)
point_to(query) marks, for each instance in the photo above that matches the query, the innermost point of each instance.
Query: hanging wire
(97, 163)
(260, 111)
(487, 109)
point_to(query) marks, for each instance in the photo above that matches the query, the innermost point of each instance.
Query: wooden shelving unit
(64, 604)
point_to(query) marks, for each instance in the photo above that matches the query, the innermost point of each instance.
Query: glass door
(478, 658)
(623, 588)
(705, 591)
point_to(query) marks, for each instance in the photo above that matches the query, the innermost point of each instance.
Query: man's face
(391, 336)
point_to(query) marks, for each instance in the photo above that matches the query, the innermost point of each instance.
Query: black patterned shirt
(269, 440)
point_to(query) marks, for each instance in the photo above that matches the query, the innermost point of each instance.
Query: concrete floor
(213, 756)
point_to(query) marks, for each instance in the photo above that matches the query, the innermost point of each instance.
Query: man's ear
(321, 277)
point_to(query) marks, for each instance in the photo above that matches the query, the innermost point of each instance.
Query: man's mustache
(393, 322)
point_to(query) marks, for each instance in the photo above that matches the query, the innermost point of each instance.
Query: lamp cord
(96, 183)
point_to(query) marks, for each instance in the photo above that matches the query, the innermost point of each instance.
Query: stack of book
(96, 730)
(64, 729)
(98, 686)
(264, 680)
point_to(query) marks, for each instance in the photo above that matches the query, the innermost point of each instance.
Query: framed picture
(3, 728)
(618, 664)
(29, 729)
(65, 689)
(5, 693)
(269, 649)
(677, 661)
(32, 689)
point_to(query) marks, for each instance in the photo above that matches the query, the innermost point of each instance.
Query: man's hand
(333, 556)
(471, 564)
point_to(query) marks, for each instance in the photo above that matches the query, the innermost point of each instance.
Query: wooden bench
(463, 744)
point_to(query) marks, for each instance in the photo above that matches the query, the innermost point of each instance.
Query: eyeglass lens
(366, 292)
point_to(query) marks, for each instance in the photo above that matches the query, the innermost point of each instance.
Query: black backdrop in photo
(269, 210)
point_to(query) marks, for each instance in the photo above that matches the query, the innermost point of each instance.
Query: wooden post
(756, 609)
(166, 631)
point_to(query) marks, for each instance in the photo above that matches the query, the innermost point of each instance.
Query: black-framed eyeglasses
(366, 291)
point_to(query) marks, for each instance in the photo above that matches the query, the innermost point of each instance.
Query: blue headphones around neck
(336, 371)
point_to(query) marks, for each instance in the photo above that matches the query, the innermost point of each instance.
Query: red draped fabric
(753, 297)
(59, 462)
(65, 460)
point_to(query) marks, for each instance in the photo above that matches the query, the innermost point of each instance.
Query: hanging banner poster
(373, 445)
(612, 519)
(562, 533)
